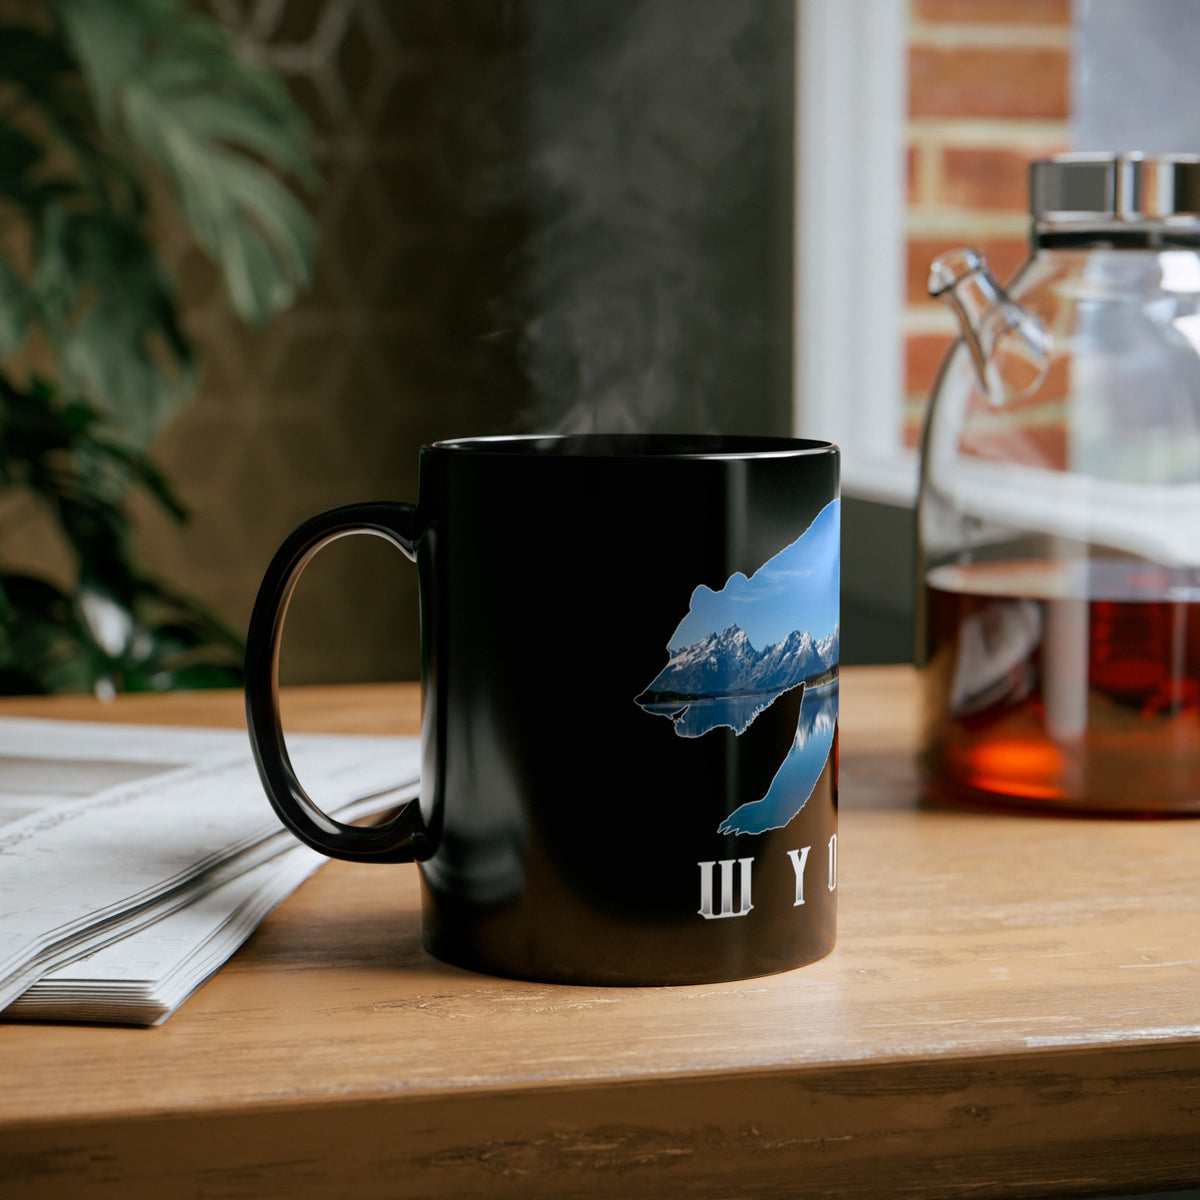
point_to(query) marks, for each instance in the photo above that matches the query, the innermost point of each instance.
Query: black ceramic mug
(629, 660)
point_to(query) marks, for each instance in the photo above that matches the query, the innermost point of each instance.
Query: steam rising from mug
(658, 266)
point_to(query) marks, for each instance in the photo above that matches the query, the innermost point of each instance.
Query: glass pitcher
(1058, 531)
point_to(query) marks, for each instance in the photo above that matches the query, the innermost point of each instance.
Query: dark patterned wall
(536, 214)
(402, 340)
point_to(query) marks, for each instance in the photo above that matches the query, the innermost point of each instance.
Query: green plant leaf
(18, 155)
(49, 113)
(171, 82)
(141, 470)
(12, 311)
(91, 98)
(32, 60)
(111, 314)
(40, 647)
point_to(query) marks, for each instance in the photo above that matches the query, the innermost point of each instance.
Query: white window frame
(851, 105)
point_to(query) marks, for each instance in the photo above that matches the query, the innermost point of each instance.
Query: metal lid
(1091, 188)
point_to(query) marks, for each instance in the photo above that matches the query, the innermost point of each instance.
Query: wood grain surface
(1013, 1009)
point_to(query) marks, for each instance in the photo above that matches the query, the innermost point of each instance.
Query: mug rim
(636, 445)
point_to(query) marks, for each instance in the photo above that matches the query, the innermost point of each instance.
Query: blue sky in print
(796, 589)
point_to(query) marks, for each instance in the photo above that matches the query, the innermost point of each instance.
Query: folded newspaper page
(135, 859)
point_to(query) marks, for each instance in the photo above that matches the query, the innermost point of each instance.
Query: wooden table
(1013, 1009)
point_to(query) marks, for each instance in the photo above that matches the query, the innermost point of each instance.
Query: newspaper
(135, 859)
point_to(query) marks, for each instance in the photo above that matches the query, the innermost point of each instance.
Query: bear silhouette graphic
(717, 677)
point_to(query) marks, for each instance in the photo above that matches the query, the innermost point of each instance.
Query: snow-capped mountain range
(726, 664)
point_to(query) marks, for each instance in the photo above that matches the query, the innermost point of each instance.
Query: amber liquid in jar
(1072, 686)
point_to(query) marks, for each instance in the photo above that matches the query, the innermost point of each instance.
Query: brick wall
(988, 93)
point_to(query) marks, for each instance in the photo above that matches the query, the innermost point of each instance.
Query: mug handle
(387, 843)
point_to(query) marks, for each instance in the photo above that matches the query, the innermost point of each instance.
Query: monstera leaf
(165, 79)
(124, 343)
(98, 98)
(114, 90)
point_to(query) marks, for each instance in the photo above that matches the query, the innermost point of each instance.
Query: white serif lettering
(833, 862)
(799, 858)
(706, 888)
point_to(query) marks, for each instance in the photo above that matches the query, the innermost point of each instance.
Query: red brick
(910, 170)
(1056, 386)
(978, 81)
(923, 355)
(1015, 432)
(987, 178)
(995, 12)
(1004, 256)
(1034, 445)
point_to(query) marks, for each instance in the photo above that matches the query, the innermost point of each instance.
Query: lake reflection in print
(797, 775)
(796, 778)
(696, 717)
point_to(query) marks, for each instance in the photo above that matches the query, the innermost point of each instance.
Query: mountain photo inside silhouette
(741, 647)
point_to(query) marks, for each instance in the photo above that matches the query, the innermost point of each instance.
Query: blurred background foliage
(103, 104)
(531, 216)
